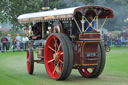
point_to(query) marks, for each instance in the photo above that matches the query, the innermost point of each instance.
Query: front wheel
(58, 62)
(95, 72)
(30, 61)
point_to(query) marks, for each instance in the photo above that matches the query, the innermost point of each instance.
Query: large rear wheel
(30, 61)
(95, 72)
(57, 57)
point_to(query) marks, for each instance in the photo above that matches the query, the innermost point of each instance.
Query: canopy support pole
(97, 23)
(103, 24)
(77, 24)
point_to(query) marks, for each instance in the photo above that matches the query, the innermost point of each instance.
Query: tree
(11, 9)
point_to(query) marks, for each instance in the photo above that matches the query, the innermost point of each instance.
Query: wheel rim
(54, 57)
(28, 61)
(86, 71)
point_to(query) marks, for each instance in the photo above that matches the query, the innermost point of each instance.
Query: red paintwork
(54, 57)
(79, 51)
(95, 9)
(28, 61)
(89, 36)
(76, 51)
(86, 71)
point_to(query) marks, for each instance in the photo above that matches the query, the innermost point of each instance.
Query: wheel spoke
(56, 44)
(55, 69)
(57, 55)
(87, 72)
(61, 61)
(62, 53)
(59, 47)
(51, 48)
(51, 60)
(60, 68)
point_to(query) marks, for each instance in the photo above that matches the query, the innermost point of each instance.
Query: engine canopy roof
(67, 13)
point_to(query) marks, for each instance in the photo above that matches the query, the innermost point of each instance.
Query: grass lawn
(13, 71)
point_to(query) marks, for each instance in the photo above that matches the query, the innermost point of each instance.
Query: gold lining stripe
(84, 64)
(87, 41)
(90, 33)
(78, 41)
(90, 39)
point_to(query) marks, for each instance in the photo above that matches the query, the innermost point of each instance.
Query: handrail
(103, 24)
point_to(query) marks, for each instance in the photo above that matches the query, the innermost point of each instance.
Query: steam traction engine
(72, 40)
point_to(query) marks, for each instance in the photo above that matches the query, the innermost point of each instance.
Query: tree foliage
(11, 9)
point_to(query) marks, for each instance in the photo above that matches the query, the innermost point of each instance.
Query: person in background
(13, 44)
(18, 41)
(0, 47)
(4, 41)
(0, 43)
(25, 42)
(123, 41)
(9, 40)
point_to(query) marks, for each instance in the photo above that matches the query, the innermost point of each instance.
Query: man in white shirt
(9, 40)
(25, 41)
(18, 41)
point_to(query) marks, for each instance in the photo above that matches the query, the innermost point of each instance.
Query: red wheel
(57, 60)
(30, 61)
(95, 72)
(86, 71)
(70, 54)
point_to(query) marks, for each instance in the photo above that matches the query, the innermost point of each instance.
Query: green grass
(13, 71)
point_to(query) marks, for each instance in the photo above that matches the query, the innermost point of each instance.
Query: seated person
(91, 25)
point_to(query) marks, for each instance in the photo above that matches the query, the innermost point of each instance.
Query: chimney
(45, 5)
